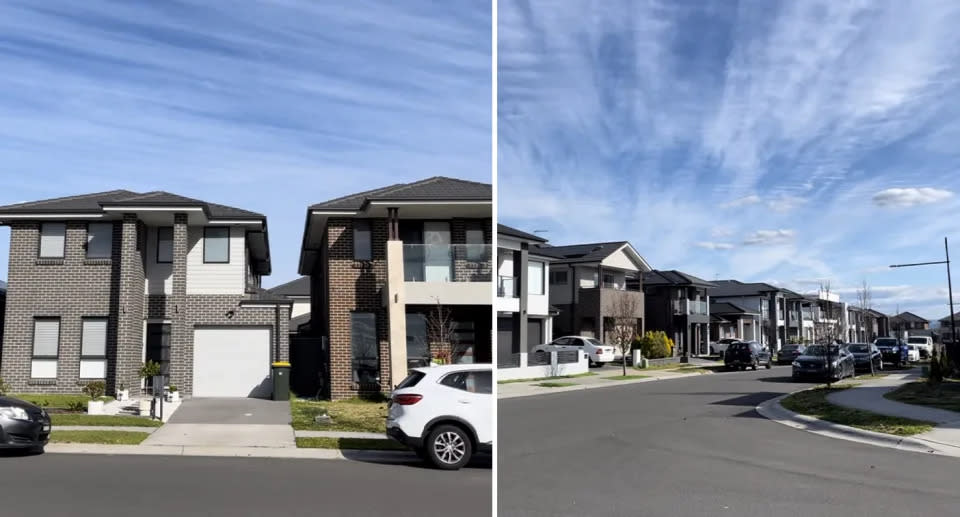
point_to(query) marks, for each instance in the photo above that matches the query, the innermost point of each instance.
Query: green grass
(369, 444)
(555, 384)
(944, 396)
(103, 420)
(625, 377)
(683, 368)
(105, 437)
(574, 376)
(814, 403)
(348, 415)
(56, 401)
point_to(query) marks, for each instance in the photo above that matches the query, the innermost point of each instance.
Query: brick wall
(71, 288)
(129, 310)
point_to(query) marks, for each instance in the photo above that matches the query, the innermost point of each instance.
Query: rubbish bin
(281, 380)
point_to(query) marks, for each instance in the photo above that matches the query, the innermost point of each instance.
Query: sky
(796, 143)
(269, 108)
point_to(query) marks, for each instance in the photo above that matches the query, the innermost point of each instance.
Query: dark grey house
(679, 304)
(100, 282)
(767, 300)
(3, 305)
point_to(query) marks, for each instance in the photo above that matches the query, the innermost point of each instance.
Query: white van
(924, 344)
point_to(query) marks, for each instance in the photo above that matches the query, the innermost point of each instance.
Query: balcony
(684, 307)
(451, 274)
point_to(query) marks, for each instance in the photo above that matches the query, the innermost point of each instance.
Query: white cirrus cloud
(910, 196)
(769, 237)
(743, 201)
(785, 204)
(715, 245)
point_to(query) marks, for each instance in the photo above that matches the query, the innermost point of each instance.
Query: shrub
(172, 388)
(936, 371)
(76, 406)
(655, 345)
(95, 389)
(4, 388)
(149, 369)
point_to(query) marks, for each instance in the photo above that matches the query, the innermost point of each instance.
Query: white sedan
(913, 353)
(597, 352)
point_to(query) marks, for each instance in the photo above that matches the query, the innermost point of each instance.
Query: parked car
(597, 352)
(721, 345)
(444, 413)
(864, 354)
(23, 425)
(789, 353)
(924, 344)
(747, 354)
(821, 362)
(913, 353)
(892, 350)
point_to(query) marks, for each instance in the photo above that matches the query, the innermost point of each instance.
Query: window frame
(556, 275)
(87, 245)
(476, 251)
(206, 238)
(63, 246)
(55, 358)
(376, 348)
(94, 358)
(356, 228)
(158, 261)
(542, 288)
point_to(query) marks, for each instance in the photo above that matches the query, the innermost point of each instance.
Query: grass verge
(946, 395)
(814, 403)
(348, 415)
(368, 444)
(103, 437)
(625, 377)
(555, 384)
(102, 420)
(574, 376)
(54, 401)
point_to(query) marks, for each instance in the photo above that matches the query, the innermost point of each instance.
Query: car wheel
(448, 447)
(769, 365)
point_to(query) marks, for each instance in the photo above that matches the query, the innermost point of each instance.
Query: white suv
(444, 413)
(597, 352)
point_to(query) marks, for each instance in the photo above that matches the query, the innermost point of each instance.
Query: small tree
(935, 377)
(865, 302)
(625, 327)
(4, 388)
(442, 335)
(95, 389)
(829, 330)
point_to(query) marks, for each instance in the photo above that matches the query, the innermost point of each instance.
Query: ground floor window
(93, 348)
(46, 348)
(364, 349)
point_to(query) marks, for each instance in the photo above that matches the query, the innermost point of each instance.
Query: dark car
(789, 353)
(23, 425)
(865, 354)
(820, 362)
(893, 351)
(747, 354)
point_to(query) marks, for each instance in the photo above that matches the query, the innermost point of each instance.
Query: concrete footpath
(602, 378)
(944, 439)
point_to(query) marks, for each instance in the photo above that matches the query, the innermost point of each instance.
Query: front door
(158, 348)
(438, 263)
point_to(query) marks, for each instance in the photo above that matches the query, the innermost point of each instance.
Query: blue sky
(271, 107)
(788, 142)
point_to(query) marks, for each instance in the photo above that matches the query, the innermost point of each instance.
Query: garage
(231, 362)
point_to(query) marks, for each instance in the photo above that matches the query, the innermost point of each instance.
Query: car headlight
(796, 364)
(16, 413)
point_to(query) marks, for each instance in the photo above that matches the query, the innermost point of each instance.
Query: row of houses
(547, 291)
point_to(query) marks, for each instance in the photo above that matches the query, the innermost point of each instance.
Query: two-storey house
(909, 323)
(590, 284)
(758, 297)
(400, 276)
(100, 283)
(731, 321)
(878, 325)
(524, 316)
(679, 304)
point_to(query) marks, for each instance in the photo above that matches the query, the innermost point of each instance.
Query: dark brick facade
(74, 288)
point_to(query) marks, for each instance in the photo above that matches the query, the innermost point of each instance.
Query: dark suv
(892, 350)
(748, 354)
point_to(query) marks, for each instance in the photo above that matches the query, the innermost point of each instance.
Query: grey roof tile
(592, 252)
(298, 287)
(673, 277)
(436, 188)
(95, 202)
(513, 232)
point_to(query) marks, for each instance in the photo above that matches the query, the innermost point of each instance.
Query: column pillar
(130, 307)
(181, 333)
(396, 300)
(521, 282)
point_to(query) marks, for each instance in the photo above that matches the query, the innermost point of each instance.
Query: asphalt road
(696, 447)
(147, 486)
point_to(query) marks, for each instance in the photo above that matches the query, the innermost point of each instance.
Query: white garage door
(231, 362)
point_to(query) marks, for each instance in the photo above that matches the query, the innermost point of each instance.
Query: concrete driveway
(227, 422)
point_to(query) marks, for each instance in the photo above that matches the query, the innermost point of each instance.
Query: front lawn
(370, 444)
(574, 376)
(57, 401)
(625, 377)
(944, 396)
(347, 415)
(555, 384)
(102, 437)
(814, 403)
(62, 419)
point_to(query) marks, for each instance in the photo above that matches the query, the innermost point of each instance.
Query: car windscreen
(859, 349)
(886, 342)
(594, 342)
(821, 350)
(411, 380)
(917, 340)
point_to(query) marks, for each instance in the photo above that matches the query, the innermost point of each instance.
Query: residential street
(93, 485)
(696, 446)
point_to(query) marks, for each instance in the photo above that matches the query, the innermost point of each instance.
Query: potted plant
(95, 391)
(172, 394)
(149, 370)
(123, 394)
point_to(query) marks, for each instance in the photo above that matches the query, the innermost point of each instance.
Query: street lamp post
(953, 324)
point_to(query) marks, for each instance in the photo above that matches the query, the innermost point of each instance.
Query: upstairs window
(164, 245)
(52, 239)
(362, 240)
(535, 277)
(99, 240)
(558, 278)
(216, 245)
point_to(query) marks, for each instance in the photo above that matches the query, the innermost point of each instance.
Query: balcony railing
(689, 307)
(508, 287)
(447, 262)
